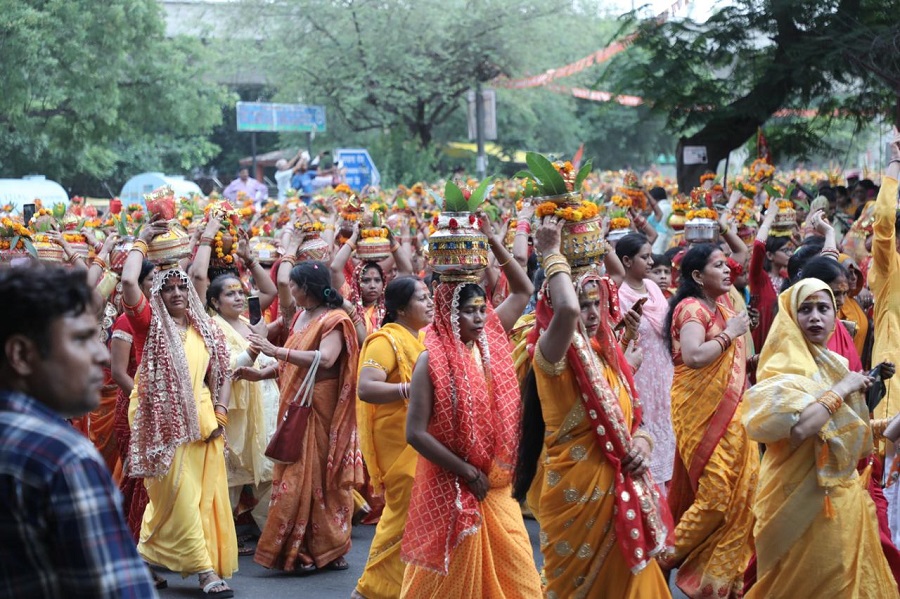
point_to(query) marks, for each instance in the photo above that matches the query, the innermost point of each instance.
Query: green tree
(95, 92)
(398, 64)
(717, 81)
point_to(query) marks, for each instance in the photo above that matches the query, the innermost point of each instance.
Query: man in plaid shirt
(62, 533)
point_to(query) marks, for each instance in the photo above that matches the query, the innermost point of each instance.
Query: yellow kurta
(496, 561)
(575, 510)
(251, 415)
(187, 526)
(391, 462)
(884, 281)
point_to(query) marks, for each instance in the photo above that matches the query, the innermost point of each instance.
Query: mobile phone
(637, 307)
(27, 212)
(255, 310)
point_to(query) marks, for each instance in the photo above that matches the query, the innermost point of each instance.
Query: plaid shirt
(62, 533)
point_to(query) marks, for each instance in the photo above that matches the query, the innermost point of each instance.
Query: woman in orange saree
(308, 525)
(716, 465)
(601, 518)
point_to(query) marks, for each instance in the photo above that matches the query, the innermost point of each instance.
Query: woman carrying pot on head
(385, 370)
(464, 535)
(254, 391)
(179, 407)
(601, 518)
(366, 285)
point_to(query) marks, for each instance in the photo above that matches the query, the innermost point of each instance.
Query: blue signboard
(359, 168)
(264, 116)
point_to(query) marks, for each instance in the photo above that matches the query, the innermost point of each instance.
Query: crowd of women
(714, 417)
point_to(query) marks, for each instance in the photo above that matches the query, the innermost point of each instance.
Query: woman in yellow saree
(601, 519)
(178, 411)
(385, 371)
(816, 530)
(716, 465)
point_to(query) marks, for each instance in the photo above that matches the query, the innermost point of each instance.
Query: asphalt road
(252, 580)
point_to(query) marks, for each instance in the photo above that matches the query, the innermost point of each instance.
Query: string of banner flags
(546, 78)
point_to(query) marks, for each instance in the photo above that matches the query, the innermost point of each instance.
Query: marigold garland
(701, 213)
(620, 222)
(584, 211)
(374, 233)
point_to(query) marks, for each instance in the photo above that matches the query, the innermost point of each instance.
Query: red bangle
(523, 226)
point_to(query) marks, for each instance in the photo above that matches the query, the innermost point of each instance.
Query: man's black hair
(34, 296)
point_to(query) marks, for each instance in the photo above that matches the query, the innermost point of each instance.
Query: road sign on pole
(359, 168)
(265, 116)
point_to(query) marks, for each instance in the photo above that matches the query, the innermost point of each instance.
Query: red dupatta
(475, 414)
(643, 525)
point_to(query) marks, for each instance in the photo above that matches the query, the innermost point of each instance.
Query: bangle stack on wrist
(724, 340)
(141, 246)
(831, 401)
(403, 389)
(554, 264)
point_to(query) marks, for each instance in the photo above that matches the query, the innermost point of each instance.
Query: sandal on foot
(158, 581)
(246, 549)
(208, 591)
(338, 564)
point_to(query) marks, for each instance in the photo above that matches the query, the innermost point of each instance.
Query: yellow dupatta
(246, 429)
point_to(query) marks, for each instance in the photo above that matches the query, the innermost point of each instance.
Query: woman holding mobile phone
(654, 379)
(254, 391)
(810, 411)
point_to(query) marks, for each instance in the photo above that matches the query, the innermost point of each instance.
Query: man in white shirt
(285, 171)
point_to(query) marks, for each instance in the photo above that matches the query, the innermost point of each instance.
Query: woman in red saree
(716, 465)
(464, 535)
(308, 525)
(123, 363)
(602, 522)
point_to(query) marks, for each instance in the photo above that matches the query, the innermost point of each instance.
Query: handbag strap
(310, 380)
(304, 392)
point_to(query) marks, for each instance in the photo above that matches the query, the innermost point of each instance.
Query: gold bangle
(141, 246)
(831, 401)
(557, 269)
(549, 264)
(553, 255)
(505, 263)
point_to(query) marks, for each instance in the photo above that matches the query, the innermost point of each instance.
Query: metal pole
(253, 152)
(481, 159)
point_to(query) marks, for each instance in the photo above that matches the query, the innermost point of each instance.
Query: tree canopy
(95, 91)
(815, 60)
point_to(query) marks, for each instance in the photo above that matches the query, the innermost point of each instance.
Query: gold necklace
(183, 331)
